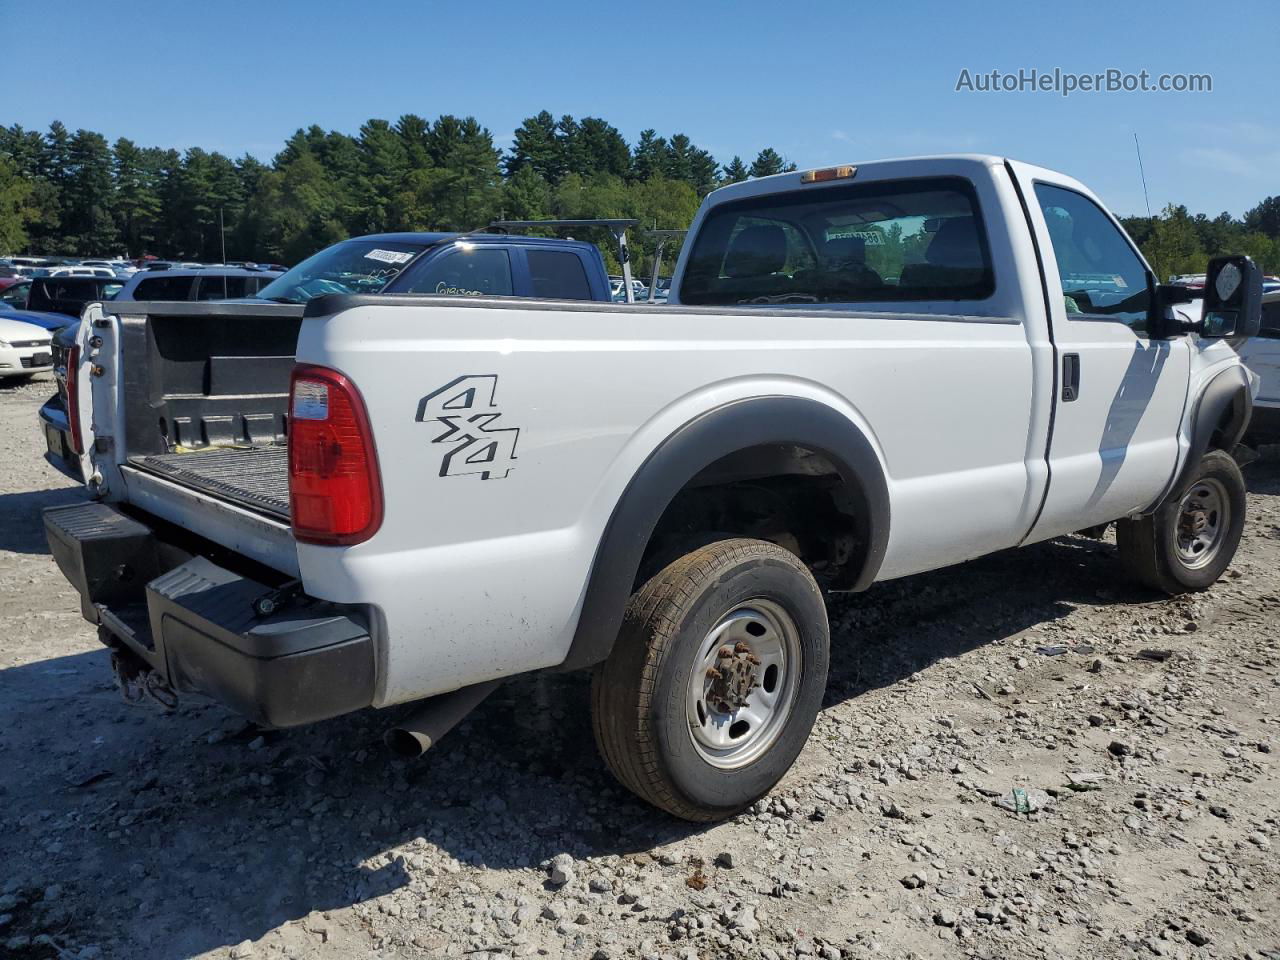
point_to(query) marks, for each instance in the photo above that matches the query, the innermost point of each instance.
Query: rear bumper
(57, 438)
(194, 622)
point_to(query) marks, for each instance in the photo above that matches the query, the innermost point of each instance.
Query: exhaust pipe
(420, 731)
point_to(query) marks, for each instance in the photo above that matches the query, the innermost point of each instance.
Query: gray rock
(1197, 937)
(561, 870)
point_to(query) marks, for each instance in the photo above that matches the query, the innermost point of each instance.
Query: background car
(82, 271)
(46, 321)
(24, 348)
(120, 268)
(14, 291)
(1261, 354)
(68, 295)
(214, 283)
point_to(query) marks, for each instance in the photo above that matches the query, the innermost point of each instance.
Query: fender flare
(720, 431)
(1226, 402)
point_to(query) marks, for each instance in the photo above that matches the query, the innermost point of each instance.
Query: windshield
(352, 266)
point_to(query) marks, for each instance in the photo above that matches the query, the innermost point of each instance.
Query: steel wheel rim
(1204, 514)
(738, 736)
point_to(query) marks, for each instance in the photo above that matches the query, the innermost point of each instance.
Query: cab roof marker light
(828, 173)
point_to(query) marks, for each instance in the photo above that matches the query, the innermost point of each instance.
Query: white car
(1262, 355)
(122, 269)
(471, 488)
(25, 349)
(82, 271)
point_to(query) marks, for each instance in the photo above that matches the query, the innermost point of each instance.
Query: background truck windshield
(352, 266)
(898, 240)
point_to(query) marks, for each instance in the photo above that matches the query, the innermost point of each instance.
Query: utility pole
(222, 234)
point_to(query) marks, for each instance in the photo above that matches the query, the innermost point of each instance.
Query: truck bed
(256, 477)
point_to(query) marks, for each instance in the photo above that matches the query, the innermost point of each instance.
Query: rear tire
(682, 716)
(1192, 537)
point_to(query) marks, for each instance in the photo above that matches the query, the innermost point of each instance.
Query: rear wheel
(1190, 540)
(715, 679)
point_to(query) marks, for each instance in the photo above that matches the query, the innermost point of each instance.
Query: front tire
(715, 679)
(1190, 540)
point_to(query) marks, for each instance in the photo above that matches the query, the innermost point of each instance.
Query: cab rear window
(875, 242)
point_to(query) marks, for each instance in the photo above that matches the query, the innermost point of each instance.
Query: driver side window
(1102, 277)
(466, 270)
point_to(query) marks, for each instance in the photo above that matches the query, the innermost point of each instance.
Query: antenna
(1142, 173)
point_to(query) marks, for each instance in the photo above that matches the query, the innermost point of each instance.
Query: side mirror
(1160, 297)
(1232, 298)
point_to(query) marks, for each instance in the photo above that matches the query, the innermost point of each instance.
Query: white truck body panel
(587, 423)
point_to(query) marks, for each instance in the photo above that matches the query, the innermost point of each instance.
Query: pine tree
(536, 145)
(15, 191)
(767, 163)
(526, 195)
(137, 206)
(735, 171)
(386, 170)
(1174, 247)
(1265, 217)
(678, 162)
(415, 133)
(572, 149)
(602, 148)
(26, 151)
(88, 195)
(702, 171)
(649, 156)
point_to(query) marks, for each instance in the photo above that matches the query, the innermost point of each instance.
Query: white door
(1261, 354)
(1119, 394)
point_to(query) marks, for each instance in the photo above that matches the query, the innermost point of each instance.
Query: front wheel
(715, 680)
(1190, 540)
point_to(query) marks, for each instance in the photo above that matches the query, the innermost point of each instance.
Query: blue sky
(822, 82)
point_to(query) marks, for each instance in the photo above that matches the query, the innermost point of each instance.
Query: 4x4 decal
(467, 409)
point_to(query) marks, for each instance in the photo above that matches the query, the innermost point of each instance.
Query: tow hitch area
(136, 681)
(178, 622)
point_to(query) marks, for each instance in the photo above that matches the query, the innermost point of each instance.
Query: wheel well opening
(791, 495)
(1230, 426)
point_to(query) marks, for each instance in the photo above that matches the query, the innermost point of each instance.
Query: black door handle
(1070, 377)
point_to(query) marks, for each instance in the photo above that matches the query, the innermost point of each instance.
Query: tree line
(64, 192)
(1178, 242)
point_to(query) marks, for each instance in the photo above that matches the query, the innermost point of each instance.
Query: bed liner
(252, 476)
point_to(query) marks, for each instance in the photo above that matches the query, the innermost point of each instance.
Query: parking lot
(1139, 731)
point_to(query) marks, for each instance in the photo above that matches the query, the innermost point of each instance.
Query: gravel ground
(1140, 733)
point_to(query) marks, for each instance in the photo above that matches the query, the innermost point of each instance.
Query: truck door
(1261, 354)
(1119, 394)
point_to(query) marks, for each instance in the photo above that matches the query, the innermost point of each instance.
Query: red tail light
(73, 399)
(335, 492)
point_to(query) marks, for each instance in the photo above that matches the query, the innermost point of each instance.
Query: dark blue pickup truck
(449, 264)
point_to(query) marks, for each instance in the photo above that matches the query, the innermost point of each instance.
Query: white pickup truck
(861, 373)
